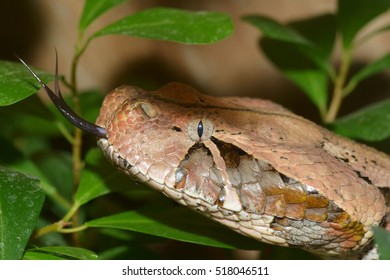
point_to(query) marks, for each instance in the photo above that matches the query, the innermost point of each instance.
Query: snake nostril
(176, 128)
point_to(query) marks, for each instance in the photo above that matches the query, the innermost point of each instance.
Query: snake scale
(248, 164)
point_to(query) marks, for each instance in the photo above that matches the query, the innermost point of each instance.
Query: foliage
(302, 50)
(21, 200)
(81, 190)
(382, 238)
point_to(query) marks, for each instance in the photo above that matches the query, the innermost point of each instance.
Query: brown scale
(194, 175)
(302, 216)
(289, 201)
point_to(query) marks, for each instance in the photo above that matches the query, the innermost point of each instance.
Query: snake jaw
(61, 105)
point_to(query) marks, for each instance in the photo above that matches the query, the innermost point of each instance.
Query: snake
(246, 163)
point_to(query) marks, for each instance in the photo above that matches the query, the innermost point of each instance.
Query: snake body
(250, 165)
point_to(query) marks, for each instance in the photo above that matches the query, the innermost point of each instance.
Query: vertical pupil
(200, 129)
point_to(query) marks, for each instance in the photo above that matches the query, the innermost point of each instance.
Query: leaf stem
(73, 230)
(59, 226)
(78, 134)
(338, 92)
(50, 228)
(71, 212)
(77, 139)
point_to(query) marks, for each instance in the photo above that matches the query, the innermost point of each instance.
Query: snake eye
(200, 130)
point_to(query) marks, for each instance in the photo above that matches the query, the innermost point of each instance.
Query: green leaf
(173, 25)
(274, 30)
(353, 15)
(93, 9)
(313, 37)
(301, 50)
(55, 167)
(371, 123)
(373, 68)
(312, 82)
(32, 255)
(115, 253)
(382, 239)
(162, 218)
(99, 178)
(17, 83)
(27, 118)
(90, 103)
(321, 32)
(66, 252)
(12, 158)
(315, 34)
(21, 200)
(299, 69)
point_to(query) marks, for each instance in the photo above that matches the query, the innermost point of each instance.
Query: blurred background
(234, 66)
